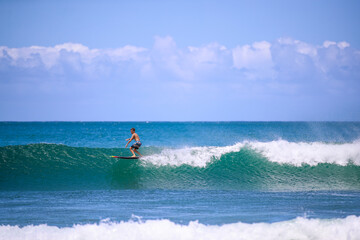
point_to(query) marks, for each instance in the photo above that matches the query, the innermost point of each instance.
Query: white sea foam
(309, 153)
(281, 151)
(299, 228)
(195, 156)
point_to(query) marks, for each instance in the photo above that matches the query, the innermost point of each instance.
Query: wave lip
(280, 151)
(313, 153)
(194, 156)
(300, 228)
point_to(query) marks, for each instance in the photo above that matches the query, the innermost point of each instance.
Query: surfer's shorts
(136, 145)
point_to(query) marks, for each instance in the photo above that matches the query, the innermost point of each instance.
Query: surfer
(134, 148)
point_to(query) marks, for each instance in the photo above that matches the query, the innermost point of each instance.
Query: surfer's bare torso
(136, 137)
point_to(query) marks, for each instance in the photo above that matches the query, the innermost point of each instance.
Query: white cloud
(256, 56)
(209, 54)
(284, 59)
(165, 44)
(340, 45)
(255, 59)
(189, 63)
(343, 45)
(50, 56)
(327, 44)
(166, 56)
(299, 46)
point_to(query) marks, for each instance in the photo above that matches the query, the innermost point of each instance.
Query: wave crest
(281, 151)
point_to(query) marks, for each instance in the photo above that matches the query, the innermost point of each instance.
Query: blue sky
(179, 60)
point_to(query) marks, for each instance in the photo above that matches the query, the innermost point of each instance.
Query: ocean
(197, 180)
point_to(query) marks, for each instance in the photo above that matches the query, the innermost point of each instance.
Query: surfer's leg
(137, 152)
(132, 150)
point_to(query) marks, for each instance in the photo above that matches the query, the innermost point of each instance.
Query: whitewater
(281, 151)
(299, 228)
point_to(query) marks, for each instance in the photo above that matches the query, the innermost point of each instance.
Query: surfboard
(125, 157)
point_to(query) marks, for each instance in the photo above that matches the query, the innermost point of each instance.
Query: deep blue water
(63, 208)
(173, 134)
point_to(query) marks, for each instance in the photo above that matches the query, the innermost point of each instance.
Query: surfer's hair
(133, 129)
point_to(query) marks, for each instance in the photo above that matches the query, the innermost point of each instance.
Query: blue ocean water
(225, 177)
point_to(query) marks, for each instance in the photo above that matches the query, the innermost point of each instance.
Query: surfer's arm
(130, 139)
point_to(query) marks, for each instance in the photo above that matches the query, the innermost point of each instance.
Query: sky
(179, 60)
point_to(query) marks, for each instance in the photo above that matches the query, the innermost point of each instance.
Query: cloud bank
(259, 60)
(283, 67)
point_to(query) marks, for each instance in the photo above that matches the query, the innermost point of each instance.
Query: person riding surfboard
(134, 148)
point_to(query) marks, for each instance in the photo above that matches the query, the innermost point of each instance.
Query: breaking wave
(249, 165)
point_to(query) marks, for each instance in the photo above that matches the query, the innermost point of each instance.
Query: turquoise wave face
(239, 167)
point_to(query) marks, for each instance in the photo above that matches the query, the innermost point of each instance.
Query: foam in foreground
(299, 228)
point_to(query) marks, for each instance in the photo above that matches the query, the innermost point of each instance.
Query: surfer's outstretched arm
(130, 139)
